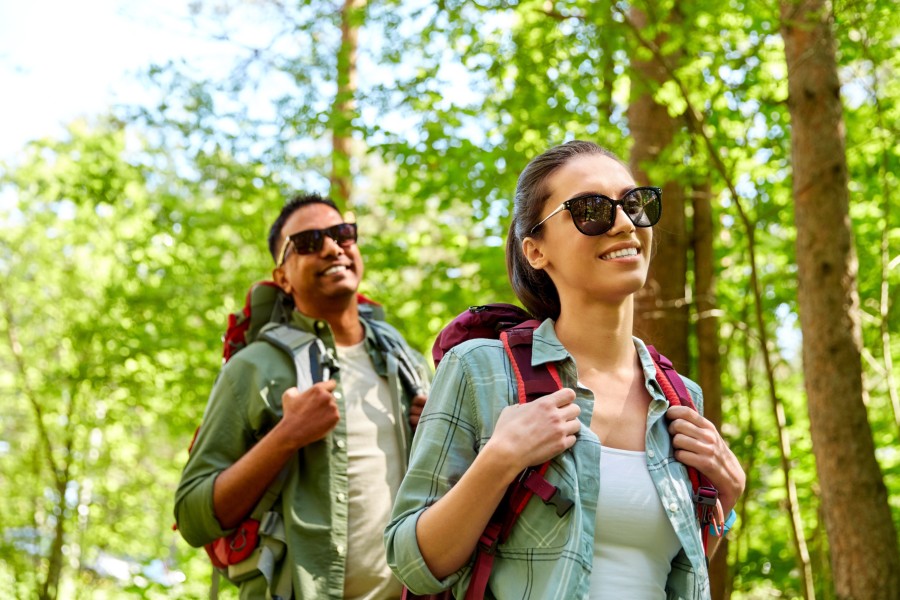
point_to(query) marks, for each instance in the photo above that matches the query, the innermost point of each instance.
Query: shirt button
(673, 507)
(337, 395)
(651, 453)
(341, 444)
(341, 497)
(340, 550)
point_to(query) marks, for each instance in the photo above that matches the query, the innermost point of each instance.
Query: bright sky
(60, 60)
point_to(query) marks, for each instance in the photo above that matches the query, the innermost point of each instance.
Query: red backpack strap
(532, 382)
(705, 493)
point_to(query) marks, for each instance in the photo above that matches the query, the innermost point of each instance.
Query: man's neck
(342, 317)
(347, 330)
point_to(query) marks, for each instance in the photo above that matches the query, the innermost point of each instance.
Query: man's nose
(331, 247)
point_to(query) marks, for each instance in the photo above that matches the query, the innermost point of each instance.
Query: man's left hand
(415, 409)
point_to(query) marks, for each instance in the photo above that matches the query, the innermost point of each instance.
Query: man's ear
(531, 249)
(281, 280)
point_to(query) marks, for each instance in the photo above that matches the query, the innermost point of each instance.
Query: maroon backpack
(515, 328)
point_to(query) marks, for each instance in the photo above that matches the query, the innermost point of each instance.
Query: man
(351, 434)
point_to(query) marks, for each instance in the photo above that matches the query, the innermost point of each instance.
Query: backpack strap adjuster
(547, 492)
(705, 498)
(489, 539)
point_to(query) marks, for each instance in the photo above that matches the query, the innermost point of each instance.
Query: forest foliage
(127, 242)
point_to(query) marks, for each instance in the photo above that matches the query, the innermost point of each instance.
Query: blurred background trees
(127, 242)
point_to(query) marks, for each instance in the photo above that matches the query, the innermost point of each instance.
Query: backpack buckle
(705, 498)
(562, 504)
(490, 538)
(547, 492)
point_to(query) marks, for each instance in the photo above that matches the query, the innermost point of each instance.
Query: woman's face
(608, 267)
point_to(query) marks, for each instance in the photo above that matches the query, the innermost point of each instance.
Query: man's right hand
(309, 415)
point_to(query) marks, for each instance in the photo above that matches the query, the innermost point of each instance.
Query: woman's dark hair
(533, 287)
(290, 207)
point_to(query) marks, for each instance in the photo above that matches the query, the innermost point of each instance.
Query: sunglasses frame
(620, 202)
(319, 237)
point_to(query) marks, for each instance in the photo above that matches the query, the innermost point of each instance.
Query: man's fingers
(329, 385)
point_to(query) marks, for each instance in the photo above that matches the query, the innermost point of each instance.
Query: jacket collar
(546, 348)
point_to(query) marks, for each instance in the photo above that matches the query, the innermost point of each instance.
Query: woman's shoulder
(476, 360)
(477, 351)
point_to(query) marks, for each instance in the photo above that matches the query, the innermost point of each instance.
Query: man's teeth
(335, 269)
(620, 253)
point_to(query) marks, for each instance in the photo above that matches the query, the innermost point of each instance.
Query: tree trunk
(709, 363)
(50, 587)
(661, 310)
(344, 109)
(709, 372)
(862, 537)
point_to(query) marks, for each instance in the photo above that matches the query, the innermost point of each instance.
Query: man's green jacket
(244, 405)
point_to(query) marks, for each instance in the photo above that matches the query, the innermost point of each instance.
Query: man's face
(318, 280)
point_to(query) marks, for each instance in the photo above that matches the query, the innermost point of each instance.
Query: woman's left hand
(698, 444)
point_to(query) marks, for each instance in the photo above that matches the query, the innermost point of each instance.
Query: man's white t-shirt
(374, 472)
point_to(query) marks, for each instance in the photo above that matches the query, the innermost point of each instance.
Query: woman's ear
(531, 249)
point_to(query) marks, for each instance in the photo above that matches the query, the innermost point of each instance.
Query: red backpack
(515, 328)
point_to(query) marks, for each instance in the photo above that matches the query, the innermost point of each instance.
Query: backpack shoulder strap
(312, 363)
(398, 357)
(705, 494)
(312, 360)
(532, 382)
(672, 378)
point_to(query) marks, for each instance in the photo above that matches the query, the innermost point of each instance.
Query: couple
(578, 250)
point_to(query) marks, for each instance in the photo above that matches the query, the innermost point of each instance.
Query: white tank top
(634, 542)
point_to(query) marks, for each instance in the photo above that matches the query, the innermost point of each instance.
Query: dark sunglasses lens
(307, 242)
(311, 241)
(593, 215)
(643, 206)
(344, 234)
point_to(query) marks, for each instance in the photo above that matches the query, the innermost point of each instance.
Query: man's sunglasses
(312, 240)
(594, 214)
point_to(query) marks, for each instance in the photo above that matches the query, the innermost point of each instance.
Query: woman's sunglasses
(594, 214)
(312, 240)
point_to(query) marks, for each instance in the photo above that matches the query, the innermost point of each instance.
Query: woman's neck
(598, 334)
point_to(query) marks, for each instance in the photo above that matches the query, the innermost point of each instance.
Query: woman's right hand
(524, 435)
(530, 434)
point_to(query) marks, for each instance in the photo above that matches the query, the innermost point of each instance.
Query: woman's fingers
(540, 429)
(698, 444)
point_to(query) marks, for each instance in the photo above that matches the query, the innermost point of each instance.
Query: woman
(578, 250)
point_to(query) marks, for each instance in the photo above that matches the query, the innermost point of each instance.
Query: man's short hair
(290, 207)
